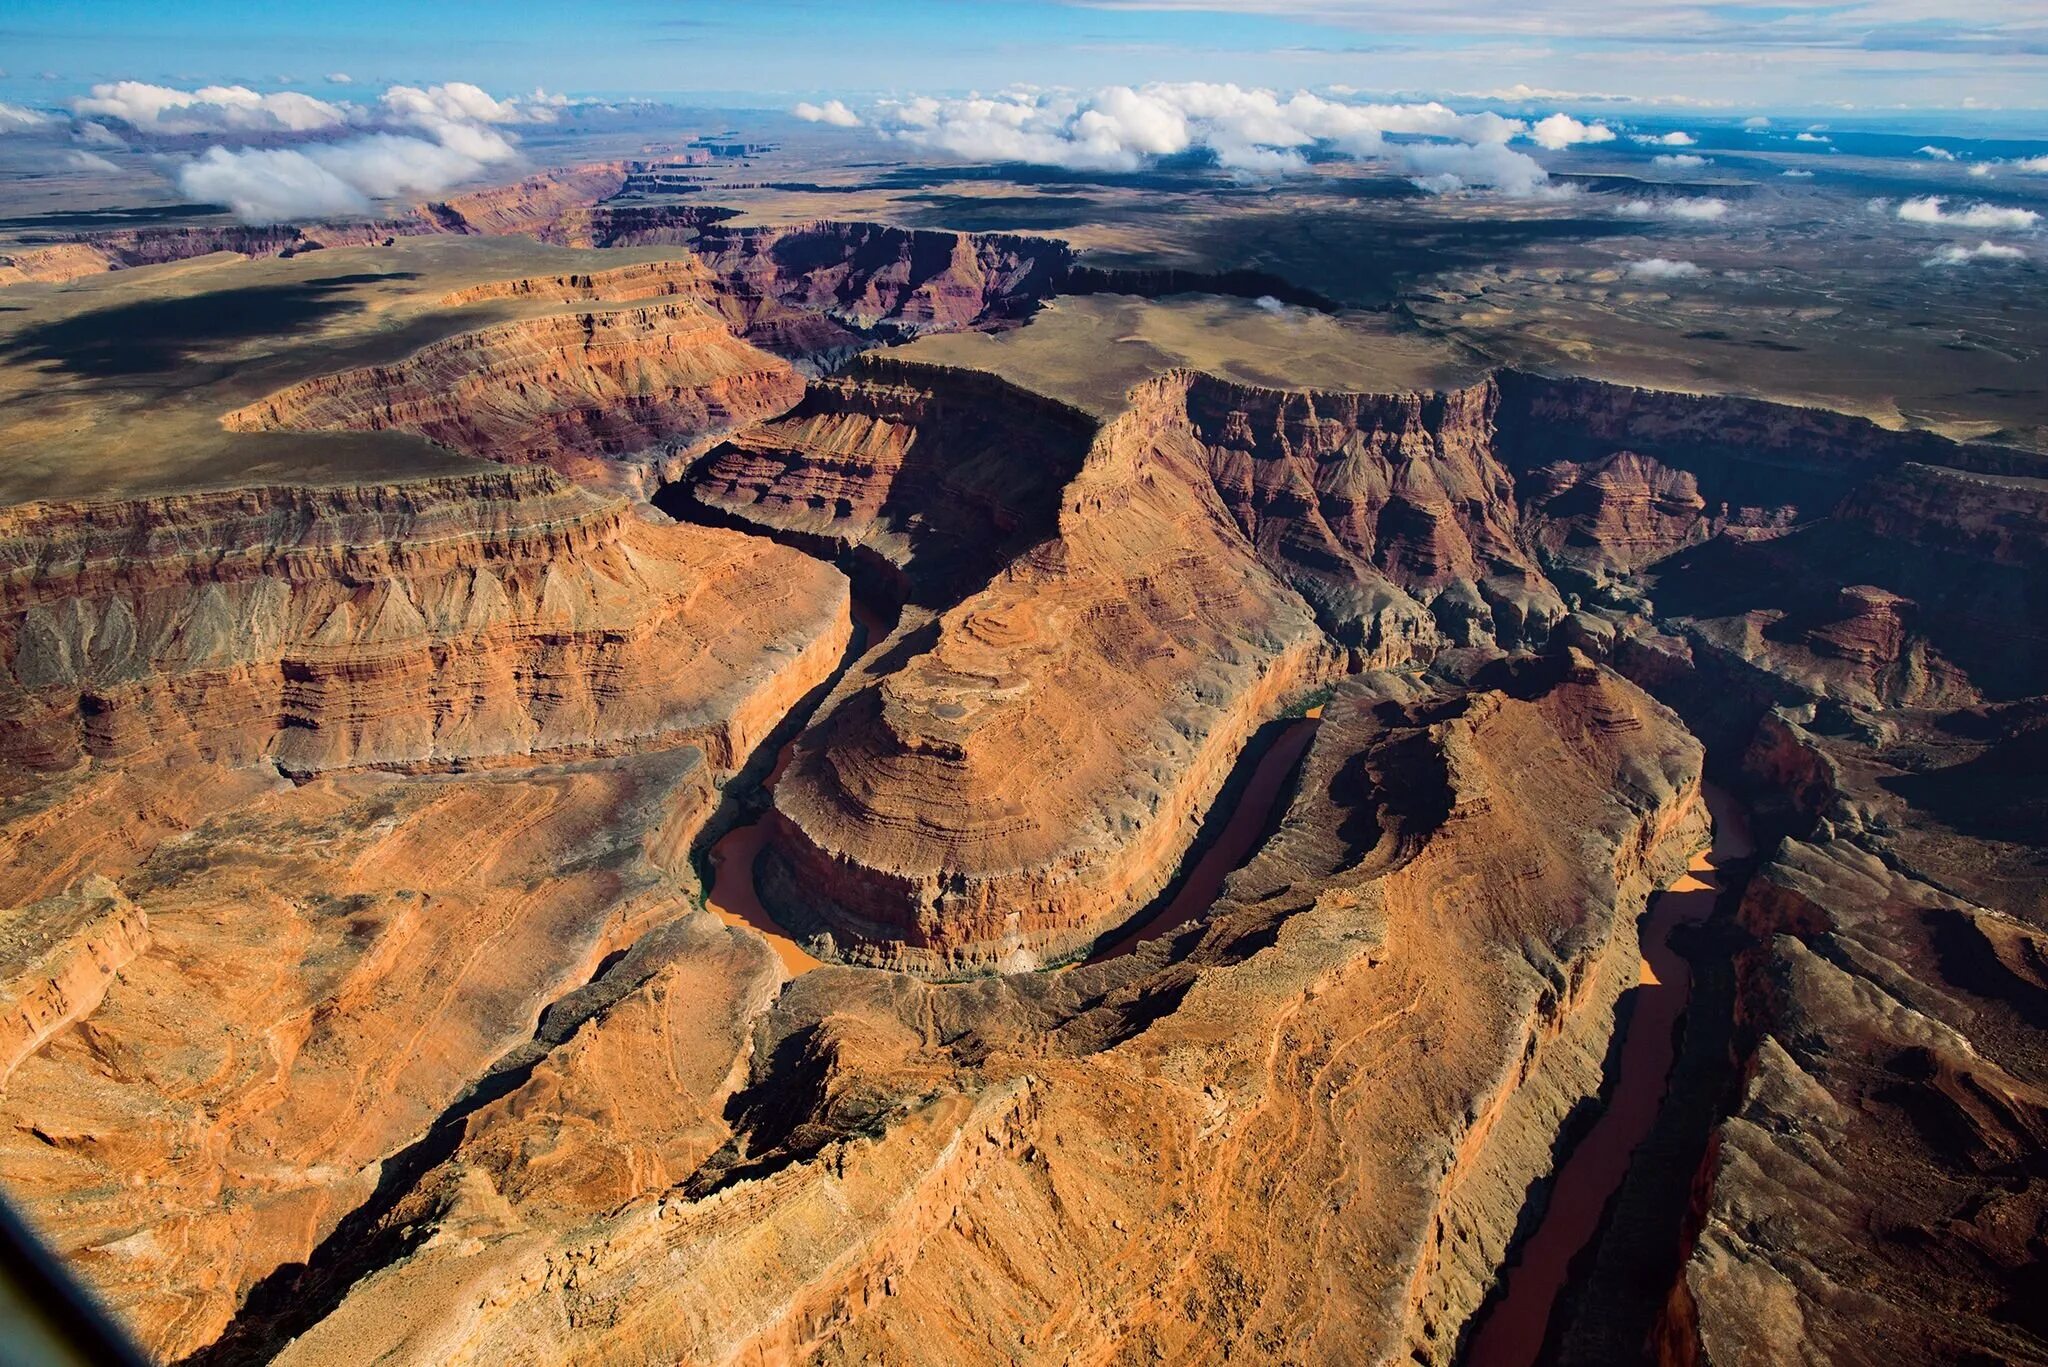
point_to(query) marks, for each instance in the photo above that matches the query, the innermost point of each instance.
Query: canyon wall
(1302, 1129)
(577, 391)
(1033, 774)
(470, 619)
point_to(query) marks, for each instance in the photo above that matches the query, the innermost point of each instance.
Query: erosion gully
(1516, 1329)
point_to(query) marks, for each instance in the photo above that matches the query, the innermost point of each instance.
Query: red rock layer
(1033, 777)
(534, 204)
(1390, 512)
(574, 391)
(463, 619)
(329, 966)
(820, 288)
(624, 284)
(943, 474)
(1304, 1134)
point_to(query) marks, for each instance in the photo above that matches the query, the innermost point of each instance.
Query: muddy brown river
(1512, 1333)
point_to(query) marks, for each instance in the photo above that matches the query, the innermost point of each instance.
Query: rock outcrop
(463, 620)
(1032, 775)
(1303, 1128)
(58, 957)
(937, 478)
(573, 391)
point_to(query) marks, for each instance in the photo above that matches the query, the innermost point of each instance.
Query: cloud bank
(1253, 131)
(339, 157)
(16, 118)
(1983, 251)
(316, 156)
(1678, 160)
(164, 111)
(1662, 268)
(833, 112)
(1930, 209)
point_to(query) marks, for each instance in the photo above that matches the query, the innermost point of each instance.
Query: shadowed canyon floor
(647, 786)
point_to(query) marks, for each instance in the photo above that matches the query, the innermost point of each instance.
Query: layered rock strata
(533, 206)
(1032, 776)
(1302, 1129)
(573, 391)
(943, 476)
(464, 620)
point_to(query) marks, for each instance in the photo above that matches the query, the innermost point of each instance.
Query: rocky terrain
(537, 205)
(364, 993)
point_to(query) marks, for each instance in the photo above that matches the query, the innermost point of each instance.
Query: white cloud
(1983, 251)
(1797, 175)
(1684, 161)
(1813, 137)
(2033, 166)
(1560, 131)
(1929, 209)
(275, 185)
(1756, 122)
(340, 78)
(343, 156)
(1667, 139)
(833, 112)
(91, 161)
(1663, 268)
(269, 185)
(212, 109)
(1937, 153)
(460, 103)
(16, 118)
(1255, 131)
(1446, 167)
(1703, 210)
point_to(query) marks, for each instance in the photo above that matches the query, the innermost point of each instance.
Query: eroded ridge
(573, 391)
(1033, 774)
(1240, 1140)
(464, 620)
(933, 479)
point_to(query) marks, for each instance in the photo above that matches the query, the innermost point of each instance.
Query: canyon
(1203, 848)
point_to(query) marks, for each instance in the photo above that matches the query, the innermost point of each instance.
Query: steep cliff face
(685, 275)
(573, 391)
(533, 205)
(472, 619)
(1391, 513)
(1032, 776)
(942, 475)
(1303, 1129)
(875, 279)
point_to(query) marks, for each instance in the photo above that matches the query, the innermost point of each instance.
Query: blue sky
(1949, 54)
